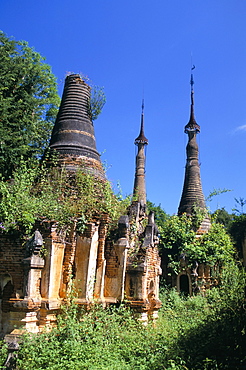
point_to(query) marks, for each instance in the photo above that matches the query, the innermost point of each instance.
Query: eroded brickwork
(12, 252)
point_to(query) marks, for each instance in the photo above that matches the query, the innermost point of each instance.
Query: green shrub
(97, 339)
(191, 333)
(3, 353)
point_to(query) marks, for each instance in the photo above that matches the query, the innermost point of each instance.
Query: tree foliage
(28, 103)
(240, 203)
(3, 353)
(221, 216)
(237, 229)
(160, 215)
(178, 238)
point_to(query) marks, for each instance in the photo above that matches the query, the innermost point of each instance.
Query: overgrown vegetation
(234, 223)
(193, 333)
(3, 353)
(97, 101)
(38, 193)
(178, 239)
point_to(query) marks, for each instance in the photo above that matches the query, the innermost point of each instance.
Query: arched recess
(151, 293)
(4, 280)
(151, 289)
(6, 291)
(184, 284)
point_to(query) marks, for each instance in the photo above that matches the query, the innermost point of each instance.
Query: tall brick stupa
(139, 189)
(192, 195)
(73, 134)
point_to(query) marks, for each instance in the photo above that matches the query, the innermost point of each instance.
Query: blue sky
(133, 46)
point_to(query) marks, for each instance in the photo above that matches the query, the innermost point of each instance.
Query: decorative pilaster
(52, 272)
(33, 266)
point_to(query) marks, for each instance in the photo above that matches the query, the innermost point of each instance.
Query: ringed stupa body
(73, 136)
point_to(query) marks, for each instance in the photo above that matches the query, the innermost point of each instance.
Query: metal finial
(192, 84)
(141, 139)
(192, 125)
(192, 79)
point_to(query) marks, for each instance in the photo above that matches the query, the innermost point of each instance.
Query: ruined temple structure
(143, 263)
(33, 286)
(192, 201)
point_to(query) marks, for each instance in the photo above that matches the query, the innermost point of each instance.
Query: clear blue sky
(130, 46)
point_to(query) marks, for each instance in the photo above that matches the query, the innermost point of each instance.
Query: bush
(191, 333)
(98, 339)
(3, 353)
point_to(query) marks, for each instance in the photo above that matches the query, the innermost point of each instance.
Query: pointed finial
(192, 125)
(141, 139)
(192, 84)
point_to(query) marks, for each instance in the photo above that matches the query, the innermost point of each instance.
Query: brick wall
(12, 252)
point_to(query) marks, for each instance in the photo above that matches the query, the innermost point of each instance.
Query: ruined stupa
(73, 136)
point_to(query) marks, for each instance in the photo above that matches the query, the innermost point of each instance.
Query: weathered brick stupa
(192, 201)
(143, 263)
(73, 135)
(192, 198)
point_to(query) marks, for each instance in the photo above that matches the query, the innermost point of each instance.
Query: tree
(28, 103)
(237, 229)
(239, 203)
(221, 216)
(160, 215)
(178, 238)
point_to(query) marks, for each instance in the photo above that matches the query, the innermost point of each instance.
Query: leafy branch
(216, 192)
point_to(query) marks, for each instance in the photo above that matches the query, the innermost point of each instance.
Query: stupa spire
(192, 124)
(139, 189)
(73, 133)
(192, 194)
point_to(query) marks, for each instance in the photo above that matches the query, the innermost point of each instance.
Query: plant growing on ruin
(97, 101)
(97, 97)
(178, 239)
(51, 194)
